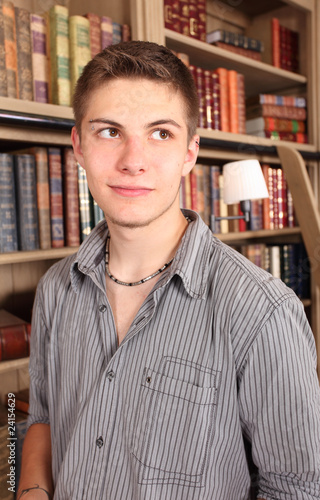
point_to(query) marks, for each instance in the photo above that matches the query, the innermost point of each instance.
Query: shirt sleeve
(38, 402)
(279, 401)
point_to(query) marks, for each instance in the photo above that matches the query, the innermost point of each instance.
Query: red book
(266, 201)
(216, 118)
(194, 189)
(194, 19)
(287, 112)
(202, 20)
(275, 198)
(71, 199)
(14, 336)
(184, 17)
(95, 33)
(233, 101)
(224, 99)
(275, 37)
(208, 97)
(56, 197)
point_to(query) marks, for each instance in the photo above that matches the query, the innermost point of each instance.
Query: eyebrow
(149, 125)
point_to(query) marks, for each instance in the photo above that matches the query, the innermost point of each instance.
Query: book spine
(126, 33)
(199, 173)
(116, 33)
(202, 12)
(256, 217)
(26, 197)
(241, 104)
(14, 342)
(98, 214)
(95, 33)
(187, 189)
(194, 190)
(106, 31)
(167, 13)
(71, 198)
(287, 112)
(216, 118)
(279, 100)
(24, 54)
(40, 67)
(194, 19)
(208, 99)
(10, 45)
(60, 55)
(8, 216)
(79, 46)
(224, 99)
(56, 197)
(252, 54)
(43, 197)
(275, 39)
(275, 198)
(215, 196)
(184, 17)
(86, 217)
(266, 201)
(3, 71)
(224, 224)
(233, 101)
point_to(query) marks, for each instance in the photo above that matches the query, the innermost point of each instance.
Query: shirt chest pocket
(173, 427)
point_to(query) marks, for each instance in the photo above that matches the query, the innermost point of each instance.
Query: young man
(160, 356)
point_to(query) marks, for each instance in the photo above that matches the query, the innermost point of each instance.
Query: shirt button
(102, 308)
(99, 442)
(110, 375)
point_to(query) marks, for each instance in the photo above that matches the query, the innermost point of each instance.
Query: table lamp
(243, 181)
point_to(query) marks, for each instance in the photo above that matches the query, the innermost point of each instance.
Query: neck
(136, 253)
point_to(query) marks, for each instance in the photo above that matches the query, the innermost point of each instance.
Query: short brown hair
(137, 59)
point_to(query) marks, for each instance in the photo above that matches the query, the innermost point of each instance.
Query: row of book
(285, 47)
(44, 55)
(45, 201)
(277, 117)
(221, 94)
(289, 262)
(187, 17)
(202, 191)
(236, 42)
(223, 106)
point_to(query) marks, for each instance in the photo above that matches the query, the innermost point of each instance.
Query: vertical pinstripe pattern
(219, 351)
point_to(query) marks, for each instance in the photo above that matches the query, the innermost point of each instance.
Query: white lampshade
(243, 180)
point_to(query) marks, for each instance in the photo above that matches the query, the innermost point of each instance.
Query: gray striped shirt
(219, 355)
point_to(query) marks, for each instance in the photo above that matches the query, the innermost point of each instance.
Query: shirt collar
(191, 261)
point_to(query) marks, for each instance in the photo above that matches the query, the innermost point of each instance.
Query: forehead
(136, 96)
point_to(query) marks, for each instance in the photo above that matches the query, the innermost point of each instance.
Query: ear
(191, 156)
(76, 143)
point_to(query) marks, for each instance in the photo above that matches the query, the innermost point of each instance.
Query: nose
(133, 158)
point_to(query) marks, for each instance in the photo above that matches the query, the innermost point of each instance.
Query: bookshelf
(21, 271)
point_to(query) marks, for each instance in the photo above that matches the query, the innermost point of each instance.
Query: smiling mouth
(131, 191)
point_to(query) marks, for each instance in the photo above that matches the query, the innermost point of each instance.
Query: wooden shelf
(258, 75)
(13, 364)
(36, 255)
(268, 236)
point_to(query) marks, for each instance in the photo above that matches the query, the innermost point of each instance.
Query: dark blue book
(26, 197)
(8, 214)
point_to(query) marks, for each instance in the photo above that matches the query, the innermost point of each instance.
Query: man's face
(134, 149)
